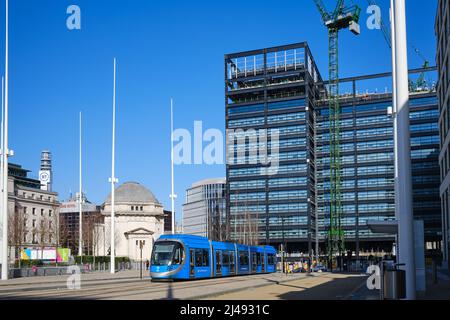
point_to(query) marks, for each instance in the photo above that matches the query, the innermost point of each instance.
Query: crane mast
(341, 18)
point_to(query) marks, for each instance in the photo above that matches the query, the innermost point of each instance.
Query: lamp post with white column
(113, 180)
(5, 154)
(173, 196)
(402, 136)
(80, 199)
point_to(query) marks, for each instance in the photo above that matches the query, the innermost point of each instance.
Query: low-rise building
(139, 216)
(69, 224)
(204, 213)
(32, 212)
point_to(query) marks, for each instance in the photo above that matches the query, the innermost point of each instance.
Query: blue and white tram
(186, 257)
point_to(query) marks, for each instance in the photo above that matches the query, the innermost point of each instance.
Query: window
(243, 258)
(42, 212)
(226, 258)
(205, 258)
(246, 109)
(287, 104)
(270, 259)
(142, 208)
(166, 253)
(50, 213)
(246, 122)
(132, 208)
(178, 255)
(286, 118)
(34, 211)
(198, 258)
(34, 223)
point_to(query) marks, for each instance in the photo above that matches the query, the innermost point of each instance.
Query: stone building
(32, 213)
(139, 216)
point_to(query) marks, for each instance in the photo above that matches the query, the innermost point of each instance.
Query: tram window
(258, 258)
(270, 259)
(243, 258)
(177, 258)
(226, 258)
(198, 258)
(205, 258)
(166, 253)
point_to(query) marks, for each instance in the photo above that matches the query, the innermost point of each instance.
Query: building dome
(132, 192)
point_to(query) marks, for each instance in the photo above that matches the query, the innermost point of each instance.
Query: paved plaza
(128, 286)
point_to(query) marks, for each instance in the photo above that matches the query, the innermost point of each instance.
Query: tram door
(192, 263)
(232, 263)
(218, 264)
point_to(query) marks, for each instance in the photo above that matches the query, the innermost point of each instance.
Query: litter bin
(394, 284)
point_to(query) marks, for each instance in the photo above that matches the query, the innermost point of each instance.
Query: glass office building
(276, 102)
(443, 65)
(204, 212)
(270, 95)
(367, 165)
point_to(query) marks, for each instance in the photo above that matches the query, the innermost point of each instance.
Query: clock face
(44, 176)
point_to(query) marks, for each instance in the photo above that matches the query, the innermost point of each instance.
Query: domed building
(138, 216)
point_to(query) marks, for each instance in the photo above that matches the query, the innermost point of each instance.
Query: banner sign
(60, 255)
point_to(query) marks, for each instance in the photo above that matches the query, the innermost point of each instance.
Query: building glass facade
(270, 96)
(443, 65)
(367, 158)
(204, 212)
(288, 97)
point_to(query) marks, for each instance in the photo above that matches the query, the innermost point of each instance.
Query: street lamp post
(5, 153)
(402, 141)
(80, 199)
(173, 196)
(113, 178)
(141, 244)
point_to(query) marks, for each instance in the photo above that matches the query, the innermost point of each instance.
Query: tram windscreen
(167, 253)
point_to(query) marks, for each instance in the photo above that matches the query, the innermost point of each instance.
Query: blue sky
(164, 49)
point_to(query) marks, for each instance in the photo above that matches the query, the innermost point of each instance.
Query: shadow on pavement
(336, 289)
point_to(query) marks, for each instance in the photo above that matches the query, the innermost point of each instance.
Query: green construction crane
(421, 83)
(341, 18)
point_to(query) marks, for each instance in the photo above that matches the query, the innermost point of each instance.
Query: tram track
(119, 289)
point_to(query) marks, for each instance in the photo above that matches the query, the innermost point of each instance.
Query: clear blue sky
(164, 49)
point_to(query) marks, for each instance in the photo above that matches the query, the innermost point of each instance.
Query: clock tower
(45, 174)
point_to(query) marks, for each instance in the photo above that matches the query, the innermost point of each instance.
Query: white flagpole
(113, 179)
(1, 159)
(403, 192)
(80, 199)
(172, 195)
(5, 152)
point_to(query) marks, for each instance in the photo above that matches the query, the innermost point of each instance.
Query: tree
(44, 231)
(17, 230)
(64, 233)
